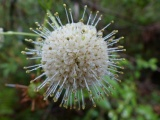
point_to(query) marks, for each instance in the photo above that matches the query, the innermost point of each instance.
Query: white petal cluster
(75, 52)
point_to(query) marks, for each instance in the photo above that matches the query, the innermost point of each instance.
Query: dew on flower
(75, 58)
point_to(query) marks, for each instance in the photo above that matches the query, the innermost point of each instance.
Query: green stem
(18, 33)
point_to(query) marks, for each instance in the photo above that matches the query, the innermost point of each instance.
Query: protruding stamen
(57, 17)
(117, 50)
(45, 82)
(85, 7)
(66, 12)
(115, 70)
(31, 66)
(38, 77)
(70, 12)
(63, 82)
(95, 18)
(115, 65)
(71, 100)
(51, 25)
(86, 84)
(115, 41)
(90, 15)
(111, 34)
(83, 104)
(40, 34)
(79, 104)
(107, 25)
(56, 97)
(32, 58)
(52, 18)
(98, 20)
(28, 71)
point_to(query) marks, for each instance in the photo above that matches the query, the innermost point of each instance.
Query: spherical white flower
(75, 58)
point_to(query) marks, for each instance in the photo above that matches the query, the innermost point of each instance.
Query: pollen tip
(31, 28)
(55, 99)
(121, 72)
(27, 71)
(94, 105)
(112, 21)
(36, 90)
(64, 5)
(97, 12)
(26, 48)
(23, 52)
(102, 30)
(115, 31)
(85, 6)
(56, 13)
(120, 46)
(122, 37)
(45, 98)
(122, 67)
(31, 81)
(47, 14)
(81, 20)
(119, 81)
(60, 105)
(36, 23)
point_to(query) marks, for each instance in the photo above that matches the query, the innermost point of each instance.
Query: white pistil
(79, 104)
(116, 50)
(40, 34)
(70, 12)
(98, 20)
(28, 71)
(111, 34)
(94, 18)
(36, 43)
(90, 15)
(63, 82)
(83, 104)
(51, 25)
(115, 65)
(71, 100)
(115, 70)
(66, 12)
(86, 84)
(33, 58)
(38, 77)
(58, 19)
(107, 25)
(85, 7)
(32, 66)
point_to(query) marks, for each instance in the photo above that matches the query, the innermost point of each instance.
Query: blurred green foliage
(137, 97)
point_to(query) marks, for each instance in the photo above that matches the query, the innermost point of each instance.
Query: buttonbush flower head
(75, 57)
